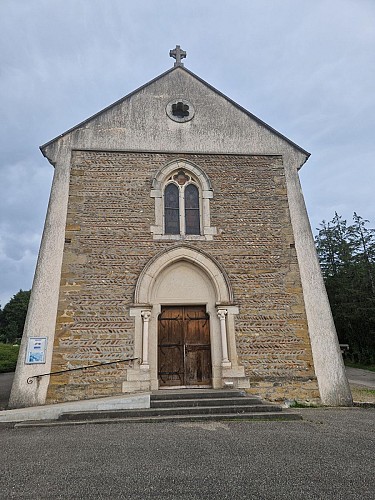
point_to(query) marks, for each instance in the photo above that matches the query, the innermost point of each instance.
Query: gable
(142, 121)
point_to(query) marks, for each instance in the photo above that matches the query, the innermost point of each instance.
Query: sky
(307, 68)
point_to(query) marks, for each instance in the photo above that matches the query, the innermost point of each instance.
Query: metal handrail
(30, 379)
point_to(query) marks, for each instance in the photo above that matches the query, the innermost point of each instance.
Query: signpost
(36, 350)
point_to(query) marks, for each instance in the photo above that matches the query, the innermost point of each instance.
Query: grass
(371, 368)
(8, 357)
(369, 391)
(363, 394)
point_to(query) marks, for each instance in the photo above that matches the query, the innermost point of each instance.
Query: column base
(235, 377)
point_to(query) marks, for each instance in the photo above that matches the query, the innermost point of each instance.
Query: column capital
(222, 313)
(146, 314)
(135, 310)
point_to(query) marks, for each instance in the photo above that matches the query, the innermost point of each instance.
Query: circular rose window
(180, 110)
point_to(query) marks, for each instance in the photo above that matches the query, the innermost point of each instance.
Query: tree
(363, 242)
(333, 246)
(12, 317)
(347, 258)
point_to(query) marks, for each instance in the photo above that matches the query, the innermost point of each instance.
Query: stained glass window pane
(192, 218)
(171, 209)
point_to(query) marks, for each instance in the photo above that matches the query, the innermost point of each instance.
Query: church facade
(177, 252)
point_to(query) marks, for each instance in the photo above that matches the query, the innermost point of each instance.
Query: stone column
(225, 363)
(329, 367)
(41, 315)
(146, 315)
(231, 336)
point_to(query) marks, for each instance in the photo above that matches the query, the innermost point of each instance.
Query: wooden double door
(184, 351)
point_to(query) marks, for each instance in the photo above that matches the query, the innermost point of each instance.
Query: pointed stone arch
(180, 164)
(164, 259)
(204, 282)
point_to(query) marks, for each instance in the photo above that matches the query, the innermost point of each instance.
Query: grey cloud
(306, 68)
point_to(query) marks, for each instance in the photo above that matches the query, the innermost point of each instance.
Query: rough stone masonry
(108, 242)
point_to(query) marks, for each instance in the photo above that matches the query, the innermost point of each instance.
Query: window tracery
(182, 192)
(181, 205)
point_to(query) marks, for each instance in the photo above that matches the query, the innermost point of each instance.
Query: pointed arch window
(182, 193)
(172, 209)
(192, 218)
(181, 205)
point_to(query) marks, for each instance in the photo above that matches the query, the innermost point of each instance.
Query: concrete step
(178, 406)
(168, 394)
(193, 403)
(153, 412)
(262, 416)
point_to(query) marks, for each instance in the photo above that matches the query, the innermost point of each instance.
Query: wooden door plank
(171, 347)
(184, 351)
(197, 347)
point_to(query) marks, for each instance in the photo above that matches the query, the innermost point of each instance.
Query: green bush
(12, 317)
(8, 357)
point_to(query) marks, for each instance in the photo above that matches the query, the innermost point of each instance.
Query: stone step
(193, 403)
(186, 405)
(262, 416)
(154, 412)
(195, 394)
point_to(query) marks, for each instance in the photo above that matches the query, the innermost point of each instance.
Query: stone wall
(108, 242)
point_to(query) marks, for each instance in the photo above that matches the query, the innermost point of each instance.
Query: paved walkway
(6, 380)
(363, 378)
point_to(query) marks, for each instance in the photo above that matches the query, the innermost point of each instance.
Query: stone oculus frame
(219, 127)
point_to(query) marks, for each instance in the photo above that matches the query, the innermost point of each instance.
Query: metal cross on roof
(177, 54)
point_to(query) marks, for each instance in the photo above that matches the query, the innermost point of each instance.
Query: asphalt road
(328, 455)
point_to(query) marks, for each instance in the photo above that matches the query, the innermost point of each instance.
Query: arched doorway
(186, 328)
(189, 292)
